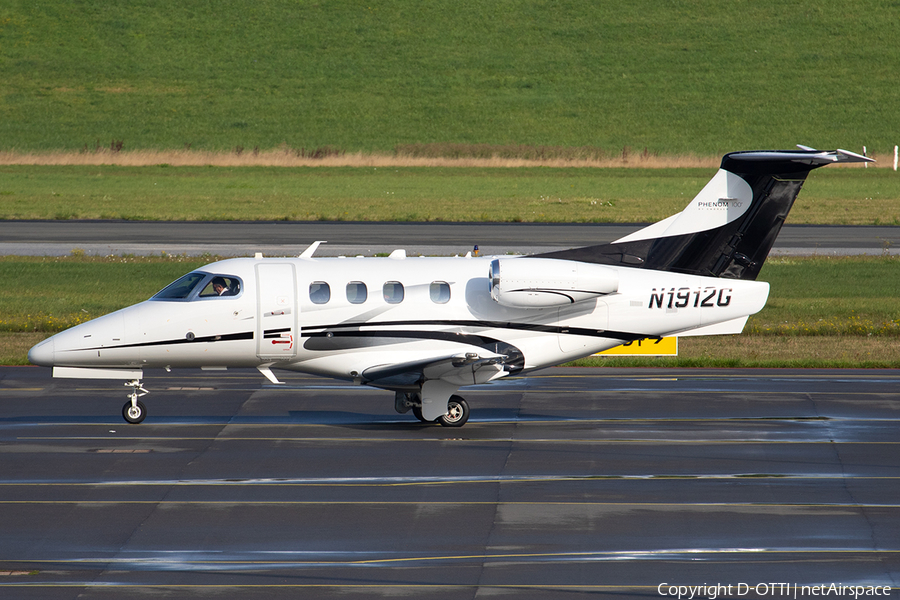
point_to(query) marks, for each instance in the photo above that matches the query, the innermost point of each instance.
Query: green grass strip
(540, 194)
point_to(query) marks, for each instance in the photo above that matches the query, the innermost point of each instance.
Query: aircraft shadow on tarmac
(347, 419)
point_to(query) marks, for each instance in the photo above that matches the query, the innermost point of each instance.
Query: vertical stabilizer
(729, 228)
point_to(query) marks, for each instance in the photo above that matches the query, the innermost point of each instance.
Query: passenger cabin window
(319, 292)
(221, 285)
(357, 292)
(440, 292)
(393, 292)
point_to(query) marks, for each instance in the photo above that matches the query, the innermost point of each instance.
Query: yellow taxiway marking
(376, 588)
(691, 373)
(339, 482)
(416, 503)
(510, 556)
(584, 441)
(338, 585)
(380, 589)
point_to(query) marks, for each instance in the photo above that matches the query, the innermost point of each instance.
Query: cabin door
(277, 332)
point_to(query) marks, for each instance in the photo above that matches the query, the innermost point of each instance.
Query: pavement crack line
(830, 424)
(115, 563)
(498, 498)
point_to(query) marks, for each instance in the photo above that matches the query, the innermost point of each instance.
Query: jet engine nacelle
(545, 282)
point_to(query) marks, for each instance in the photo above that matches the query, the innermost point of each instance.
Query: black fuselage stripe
(558, 329)
(472, 339)
(341, 329)
(268, 332)
(228, 337)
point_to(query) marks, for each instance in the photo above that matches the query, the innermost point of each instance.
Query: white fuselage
(379, 312)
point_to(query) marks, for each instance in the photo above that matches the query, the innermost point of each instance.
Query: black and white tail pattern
(729, 228)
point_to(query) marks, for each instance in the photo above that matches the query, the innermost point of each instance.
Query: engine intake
(544, 282)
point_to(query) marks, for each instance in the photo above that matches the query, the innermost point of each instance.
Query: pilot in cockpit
(221, 287)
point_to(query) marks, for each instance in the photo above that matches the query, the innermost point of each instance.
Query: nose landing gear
(134, 410)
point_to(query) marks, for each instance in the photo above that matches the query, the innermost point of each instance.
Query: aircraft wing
(460, 369)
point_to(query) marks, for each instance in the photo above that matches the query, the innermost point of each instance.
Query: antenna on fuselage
(311, 249)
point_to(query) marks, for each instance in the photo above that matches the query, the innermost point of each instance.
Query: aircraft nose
(43, 354)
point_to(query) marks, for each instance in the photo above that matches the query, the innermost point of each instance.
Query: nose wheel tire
(457, 413)
(134, 412)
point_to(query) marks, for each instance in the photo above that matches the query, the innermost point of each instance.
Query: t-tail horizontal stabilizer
(729, 228)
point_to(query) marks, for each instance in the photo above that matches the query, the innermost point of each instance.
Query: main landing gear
(457, 413)
(457, 409)
(134, 410)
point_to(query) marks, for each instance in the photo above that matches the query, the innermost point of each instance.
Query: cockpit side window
(181, 288)
(221, 285)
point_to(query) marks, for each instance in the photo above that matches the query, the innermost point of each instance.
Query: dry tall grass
(291, 158)
(277, 158)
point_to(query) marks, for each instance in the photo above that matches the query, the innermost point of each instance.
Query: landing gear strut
(134, 410)
(406, 401)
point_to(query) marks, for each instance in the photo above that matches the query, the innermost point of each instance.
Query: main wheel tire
(457, 413)
(134, 414)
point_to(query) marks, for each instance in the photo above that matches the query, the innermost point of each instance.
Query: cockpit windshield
(182, 288)
(200, 285)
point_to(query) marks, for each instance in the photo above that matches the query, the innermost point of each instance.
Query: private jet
(423, 327)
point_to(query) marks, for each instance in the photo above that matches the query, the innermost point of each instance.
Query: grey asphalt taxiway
(279, 238)
(568, 483)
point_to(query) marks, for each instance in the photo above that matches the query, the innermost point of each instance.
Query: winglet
(847, 156)
(841, 155)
